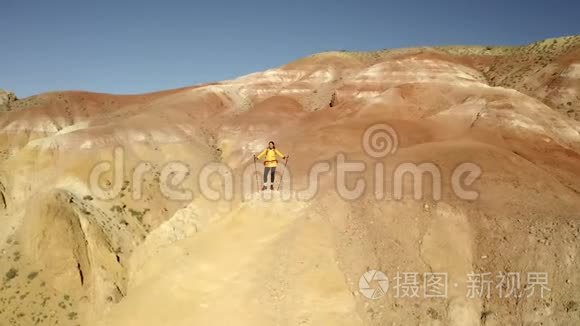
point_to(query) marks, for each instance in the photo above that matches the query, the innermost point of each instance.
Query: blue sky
(129, 47)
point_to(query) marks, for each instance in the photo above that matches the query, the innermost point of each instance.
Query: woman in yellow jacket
(270, 163)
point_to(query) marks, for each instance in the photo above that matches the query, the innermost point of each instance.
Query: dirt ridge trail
(440, 250)
(268, 262)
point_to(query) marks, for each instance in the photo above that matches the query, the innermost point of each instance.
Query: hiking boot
(264, 187)
(271, 187)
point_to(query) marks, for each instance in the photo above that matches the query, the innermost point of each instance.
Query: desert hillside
(145, 209)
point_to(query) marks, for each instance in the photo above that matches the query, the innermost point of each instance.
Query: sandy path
(264, 264)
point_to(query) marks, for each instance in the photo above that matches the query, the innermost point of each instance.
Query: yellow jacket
(270, 154)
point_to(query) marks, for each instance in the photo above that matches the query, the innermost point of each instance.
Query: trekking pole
(282, 176)
(256, 169)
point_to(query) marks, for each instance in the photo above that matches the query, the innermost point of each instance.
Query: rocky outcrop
(6, 100)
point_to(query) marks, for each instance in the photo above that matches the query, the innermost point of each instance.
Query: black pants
(272, 171)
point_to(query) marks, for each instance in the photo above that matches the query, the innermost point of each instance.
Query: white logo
(380, 140)
(381, 284)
